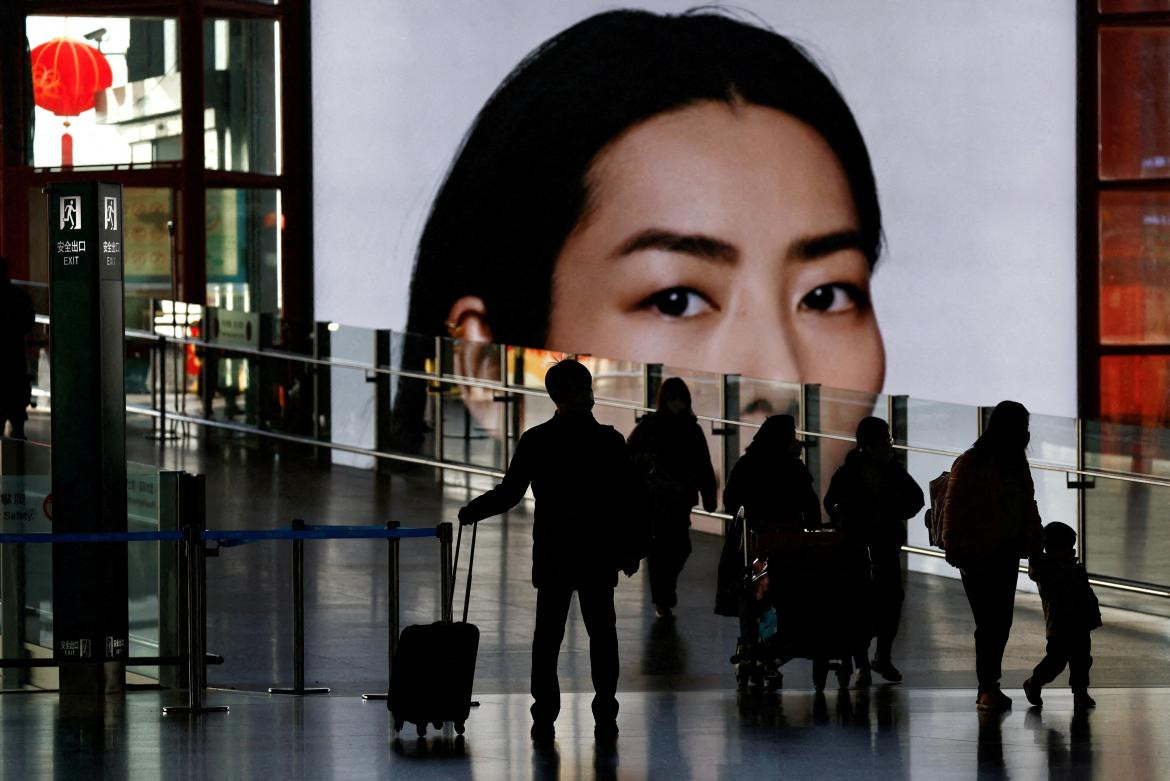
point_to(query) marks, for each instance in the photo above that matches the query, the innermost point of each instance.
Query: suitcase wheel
(421, 729)
(459, 728)
(437, 725)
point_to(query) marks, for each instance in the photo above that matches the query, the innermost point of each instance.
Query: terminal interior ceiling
(201, 115)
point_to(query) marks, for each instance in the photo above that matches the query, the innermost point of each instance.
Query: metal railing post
(1081, 485)
(898, 418)
(810, 420)
(172, 581)
(298, 622)
(383, 408)
(652, 381)
(322, 382)
(439, 427)
(505, 409)
(731, 402)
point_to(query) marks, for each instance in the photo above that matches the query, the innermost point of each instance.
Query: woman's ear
(468, 320)
(475, 358)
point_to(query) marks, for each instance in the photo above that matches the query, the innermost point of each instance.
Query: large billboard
(696, 192)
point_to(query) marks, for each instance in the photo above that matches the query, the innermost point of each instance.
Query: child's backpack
(934, 513)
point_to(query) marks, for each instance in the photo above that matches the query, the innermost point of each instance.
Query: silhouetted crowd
(799, 586)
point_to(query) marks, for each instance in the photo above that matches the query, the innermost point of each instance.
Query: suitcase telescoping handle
(741, 518)
(470, 566)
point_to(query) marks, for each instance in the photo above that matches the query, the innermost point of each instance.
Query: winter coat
(1070, 606)
(670, 453)
(870, 498)
(990, 512)
(774, 490)
(590, 518)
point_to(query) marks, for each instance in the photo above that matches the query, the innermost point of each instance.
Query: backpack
(934, 514)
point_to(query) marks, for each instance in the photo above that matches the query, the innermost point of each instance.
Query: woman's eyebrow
(695, 244)
(825, 244)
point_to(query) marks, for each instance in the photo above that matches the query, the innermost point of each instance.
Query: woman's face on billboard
(724, 238)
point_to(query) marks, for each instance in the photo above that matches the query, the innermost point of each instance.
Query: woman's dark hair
(517, 186)
(674, 388)
(1006, 435)
(872, 432)
(775, 437)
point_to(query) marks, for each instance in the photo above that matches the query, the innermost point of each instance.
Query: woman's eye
(836, 297)
(678, 302)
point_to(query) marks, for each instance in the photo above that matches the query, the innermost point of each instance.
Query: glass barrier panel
(476, 417)
(351, 394)
(142, 576)
(941, 426)
(26, 571)
(1127, 449)
(414, 401)
(620, 381)
(1128, 531)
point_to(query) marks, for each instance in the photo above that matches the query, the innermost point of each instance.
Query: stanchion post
(298, 608)
(392, 608)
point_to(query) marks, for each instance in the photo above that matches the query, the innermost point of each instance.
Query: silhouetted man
(589, 523)
(16, 321)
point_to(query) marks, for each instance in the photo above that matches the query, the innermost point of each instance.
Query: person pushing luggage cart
(589, 522)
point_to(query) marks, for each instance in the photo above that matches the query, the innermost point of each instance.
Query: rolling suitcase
(434, 667)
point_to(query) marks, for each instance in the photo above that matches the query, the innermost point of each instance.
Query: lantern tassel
(66, 148)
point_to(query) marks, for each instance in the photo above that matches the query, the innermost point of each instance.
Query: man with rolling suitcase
(589, 522)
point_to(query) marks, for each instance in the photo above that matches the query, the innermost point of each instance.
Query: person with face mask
(870, 498)
(670, 451)
(770, 482)
(990, 522)
(588, 523)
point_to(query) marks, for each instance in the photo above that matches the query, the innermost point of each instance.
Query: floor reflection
(990, 751)
(665, 652)
(1068, 751)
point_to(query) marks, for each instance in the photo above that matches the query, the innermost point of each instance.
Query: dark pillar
(88, 433)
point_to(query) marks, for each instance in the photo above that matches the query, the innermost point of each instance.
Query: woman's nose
(757, 346)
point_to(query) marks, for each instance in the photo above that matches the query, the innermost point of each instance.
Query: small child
(1071, 611)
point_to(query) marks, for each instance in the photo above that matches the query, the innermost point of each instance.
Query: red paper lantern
(67, 74)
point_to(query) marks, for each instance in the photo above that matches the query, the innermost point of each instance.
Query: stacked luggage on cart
(804, 596)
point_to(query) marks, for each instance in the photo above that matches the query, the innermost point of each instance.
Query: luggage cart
(818, 585)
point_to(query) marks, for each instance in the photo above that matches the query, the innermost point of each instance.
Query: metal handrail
(472, 382)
